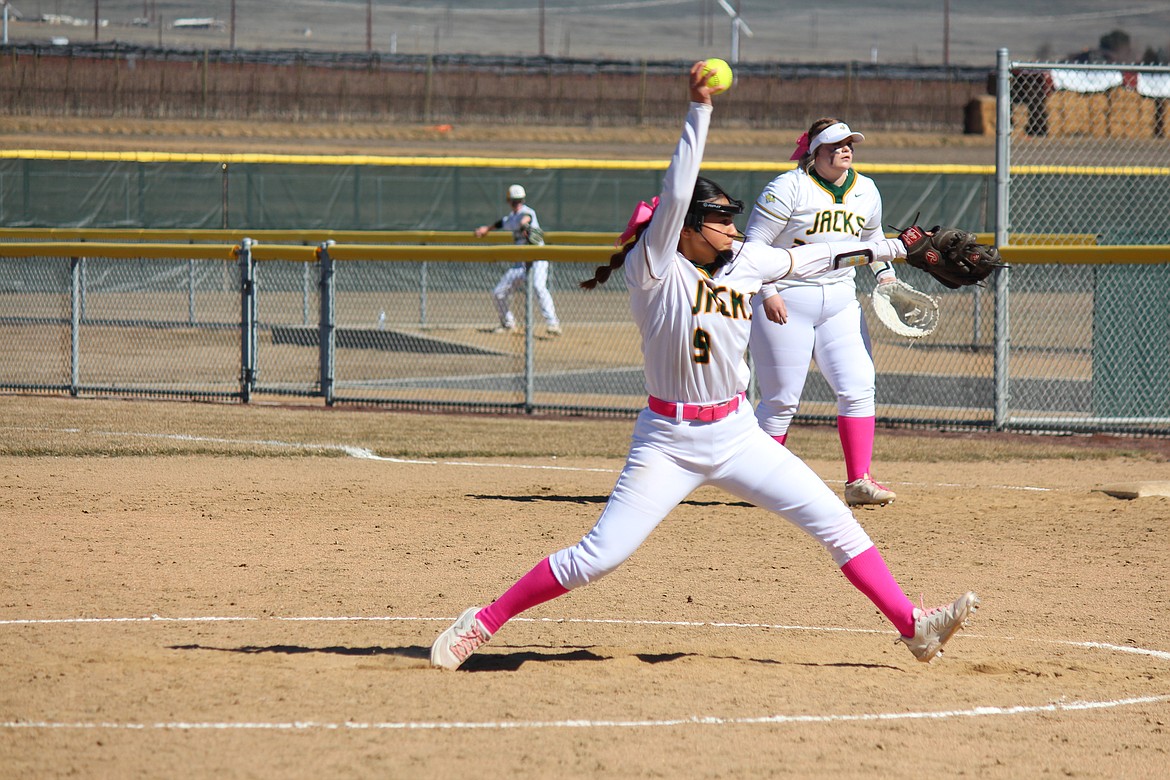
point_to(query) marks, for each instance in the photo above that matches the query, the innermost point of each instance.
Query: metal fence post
(326, 330)
(75, 325)
(1003, 134)
(248, 338)
(81, 286)
(529, 341)
(422, 294)
(191, 291)
(224, 196)
(977, 290)
(305, 270)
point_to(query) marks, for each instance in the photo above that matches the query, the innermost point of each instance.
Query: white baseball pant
(825, 324)
(512, 280)
(668, 460)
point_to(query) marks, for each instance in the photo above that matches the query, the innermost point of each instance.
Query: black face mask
(699, 210)
(697, 215)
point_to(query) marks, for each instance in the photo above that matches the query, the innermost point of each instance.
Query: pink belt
(700, 412)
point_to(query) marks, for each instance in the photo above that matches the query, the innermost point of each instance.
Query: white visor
(515, 192)
(834, 134)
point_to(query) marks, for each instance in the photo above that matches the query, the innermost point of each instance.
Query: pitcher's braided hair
(705, 190)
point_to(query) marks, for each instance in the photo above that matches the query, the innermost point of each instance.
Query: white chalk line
(695, 720)
(363, 453)
(1159, 654)
(366, 454)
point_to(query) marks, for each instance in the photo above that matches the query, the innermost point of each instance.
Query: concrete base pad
(1130, 490)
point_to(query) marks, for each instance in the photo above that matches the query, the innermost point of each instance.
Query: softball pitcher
(819, 318)
(690, 282)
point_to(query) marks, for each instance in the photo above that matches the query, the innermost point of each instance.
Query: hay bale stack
(1077, 114)
(980, 118)
(1130, 115)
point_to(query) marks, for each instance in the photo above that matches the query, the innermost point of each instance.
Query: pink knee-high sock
(857, 443)
(870, 575)
(781, 438)
(535, 587)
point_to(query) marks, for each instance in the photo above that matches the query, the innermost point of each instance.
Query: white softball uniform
(699, 429)
(513, 278)
(825, 322)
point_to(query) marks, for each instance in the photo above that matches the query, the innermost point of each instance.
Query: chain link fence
(85, 325)
(1089, 157)
(374, 327)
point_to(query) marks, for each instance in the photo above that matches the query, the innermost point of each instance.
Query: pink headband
(801, 147)
(642, 214)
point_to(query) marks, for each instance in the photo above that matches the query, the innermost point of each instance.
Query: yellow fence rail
(456, 246)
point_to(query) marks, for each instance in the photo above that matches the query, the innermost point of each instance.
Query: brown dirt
(726, 144)
(126, 510)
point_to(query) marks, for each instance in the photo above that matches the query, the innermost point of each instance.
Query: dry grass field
(647, 143)
(207, 590)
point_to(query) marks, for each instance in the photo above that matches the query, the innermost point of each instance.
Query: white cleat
(457, 643)
(935, 627)
(866, 492)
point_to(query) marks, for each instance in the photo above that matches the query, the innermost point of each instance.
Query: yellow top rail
(438, 252)
(1072, 254)
(538, 163)
(409, 161)
(313, 237)
(121, 250)
(1052, 254)
(421, 237)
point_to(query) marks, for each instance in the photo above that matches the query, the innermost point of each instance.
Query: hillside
(896, 31)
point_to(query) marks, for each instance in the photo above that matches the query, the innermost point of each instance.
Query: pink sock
(869, 574)
(781, 438)
(857, 443)
(535, 587)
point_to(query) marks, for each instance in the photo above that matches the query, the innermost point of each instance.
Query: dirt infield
(206, 590)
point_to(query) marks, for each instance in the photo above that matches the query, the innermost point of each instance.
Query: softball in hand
(721, 76)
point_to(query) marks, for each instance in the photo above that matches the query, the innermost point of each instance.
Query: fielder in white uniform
(819, 318)
(690, 283)
(525, 227)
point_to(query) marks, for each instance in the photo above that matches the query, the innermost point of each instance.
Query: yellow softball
(721, 79)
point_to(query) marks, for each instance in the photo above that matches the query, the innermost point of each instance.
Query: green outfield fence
(50, 189)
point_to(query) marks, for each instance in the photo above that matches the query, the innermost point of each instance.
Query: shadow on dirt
(595, 500)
